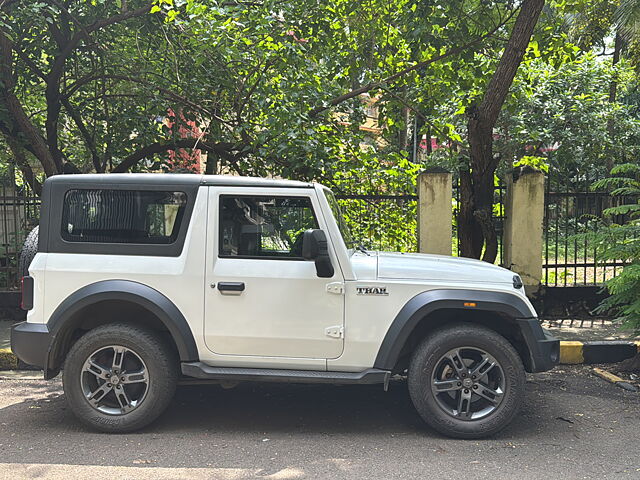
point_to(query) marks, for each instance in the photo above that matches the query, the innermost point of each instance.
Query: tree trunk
(22, 163)
(20, 125)
(476, 215)
(613, 94)
(475, 223)
(631, 364)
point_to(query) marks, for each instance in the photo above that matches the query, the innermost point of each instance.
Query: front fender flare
(428, 302)
(126, 290)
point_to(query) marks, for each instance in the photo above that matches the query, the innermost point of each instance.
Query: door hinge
(336, 287)
(335, 332)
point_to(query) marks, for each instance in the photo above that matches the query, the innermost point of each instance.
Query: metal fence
(389, 222)
(19, 214)
(572, 212)
(499, 194)
(382, 222)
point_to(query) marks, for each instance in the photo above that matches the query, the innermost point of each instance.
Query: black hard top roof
(174, 179)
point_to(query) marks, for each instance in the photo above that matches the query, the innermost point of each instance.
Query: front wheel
(466, 381)
(119, 378)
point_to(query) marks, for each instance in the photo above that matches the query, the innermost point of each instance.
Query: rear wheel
(466, 381)
(119, 378)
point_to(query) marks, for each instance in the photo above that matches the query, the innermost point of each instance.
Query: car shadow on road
(272, 427)
(257, 408)
(298, 408)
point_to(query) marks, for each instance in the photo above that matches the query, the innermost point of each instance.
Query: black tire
(159, 360)
(429, 365)
(29, 250)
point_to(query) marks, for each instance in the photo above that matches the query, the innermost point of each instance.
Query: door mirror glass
(315, 247)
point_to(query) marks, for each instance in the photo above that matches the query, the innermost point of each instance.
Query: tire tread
(159, 358)
(429, 352)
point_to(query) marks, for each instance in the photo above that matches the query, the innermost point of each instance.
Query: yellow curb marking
(607, 375)
(571, 352)
(8, 361)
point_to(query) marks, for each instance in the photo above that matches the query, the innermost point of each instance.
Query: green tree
(88, 81)
(562, 111)
(475, 223)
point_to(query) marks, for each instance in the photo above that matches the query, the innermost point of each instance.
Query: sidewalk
(589, 330)
(582, 341)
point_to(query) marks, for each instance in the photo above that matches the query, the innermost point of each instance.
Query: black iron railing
(572, 213)
(382, 222)
(389, 222)
(19, 213)
(499, 194)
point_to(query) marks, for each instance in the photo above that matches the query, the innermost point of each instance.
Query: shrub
(621, 242)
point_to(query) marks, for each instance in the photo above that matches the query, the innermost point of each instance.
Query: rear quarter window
(122, 216)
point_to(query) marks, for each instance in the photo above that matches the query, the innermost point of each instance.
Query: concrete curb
(607, 351)
(571, 352)
(616, 380)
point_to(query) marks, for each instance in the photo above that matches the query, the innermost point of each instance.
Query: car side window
(122, 216)
(264, 226)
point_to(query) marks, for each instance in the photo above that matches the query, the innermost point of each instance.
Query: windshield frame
(343, 228)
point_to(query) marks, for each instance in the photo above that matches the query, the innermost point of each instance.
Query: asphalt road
(574, 426)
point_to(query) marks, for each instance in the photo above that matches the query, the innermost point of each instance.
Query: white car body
(287, 317)
(141, 279)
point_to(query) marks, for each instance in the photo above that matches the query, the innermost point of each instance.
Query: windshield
(337, 214)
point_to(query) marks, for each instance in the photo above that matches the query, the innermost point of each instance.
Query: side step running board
(206, 372)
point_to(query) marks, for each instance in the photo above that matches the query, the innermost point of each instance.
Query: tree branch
(23, 165)
(169, 93)
(105, 22)
(19, 118)
(30, 63)
(501, 80)
(418, 66)
(221, 149)
(52, 92)
(72, 17)
(86, 136)
(7, 3)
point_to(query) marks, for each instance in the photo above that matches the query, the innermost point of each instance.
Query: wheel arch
(89, 306)
(425, 312)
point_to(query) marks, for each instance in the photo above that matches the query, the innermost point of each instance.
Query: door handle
(231, 287)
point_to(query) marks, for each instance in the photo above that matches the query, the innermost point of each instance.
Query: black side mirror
(315, 247)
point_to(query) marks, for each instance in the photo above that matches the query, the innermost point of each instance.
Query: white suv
(140, 279)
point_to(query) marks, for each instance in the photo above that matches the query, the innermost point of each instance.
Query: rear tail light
(27, 293)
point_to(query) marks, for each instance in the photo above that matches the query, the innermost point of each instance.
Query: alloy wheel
(468, 383)
(114, 380)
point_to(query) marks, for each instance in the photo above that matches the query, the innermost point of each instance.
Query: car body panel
(446, 270)
(285, 308)
(180, 279)
(287, 317)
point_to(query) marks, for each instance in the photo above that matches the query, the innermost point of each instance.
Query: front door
(263, 299)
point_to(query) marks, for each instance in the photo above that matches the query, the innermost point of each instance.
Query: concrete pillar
(523, 232)
(434, 211)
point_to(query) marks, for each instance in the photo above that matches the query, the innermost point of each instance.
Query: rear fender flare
(125, 290)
